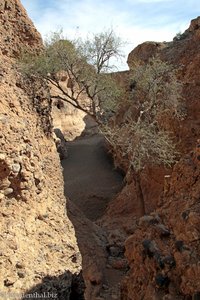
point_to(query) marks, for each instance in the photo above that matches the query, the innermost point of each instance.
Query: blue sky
(135, 21)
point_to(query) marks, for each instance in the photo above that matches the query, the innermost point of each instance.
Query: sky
(135, 21)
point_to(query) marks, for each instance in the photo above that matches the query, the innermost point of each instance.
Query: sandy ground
(90, 178)
(91, 182)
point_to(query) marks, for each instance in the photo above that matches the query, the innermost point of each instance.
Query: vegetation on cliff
(141, 138)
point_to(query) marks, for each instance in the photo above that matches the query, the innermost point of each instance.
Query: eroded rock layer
(38, 247)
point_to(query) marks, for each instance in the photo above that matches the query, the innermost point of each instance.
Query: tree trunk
(139, 192)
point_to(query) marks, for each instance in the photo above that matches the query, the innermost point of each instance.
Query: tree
(141, 139)
(84, 63)
(101, 49)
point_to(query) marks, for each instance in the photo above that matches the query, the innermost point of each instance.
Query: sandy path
(91, 182)
(90, 179)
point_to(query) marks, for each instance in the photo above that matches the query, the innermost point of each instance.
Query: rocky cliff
(39, 252)
(17, 30)
(163, 250)
(183, 53)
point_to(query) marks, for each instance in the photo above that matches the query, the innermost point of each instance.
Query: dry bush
(142, 144)
(140, 139)
(157, 90)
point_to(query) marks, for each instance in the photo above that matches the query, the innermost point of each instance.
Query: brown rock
(176, 256)
(17, 30)
(29, 158)
(143, 52)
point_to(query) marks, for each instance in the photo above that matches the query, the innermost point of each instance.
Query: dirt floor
(90, 178)
(91, 181)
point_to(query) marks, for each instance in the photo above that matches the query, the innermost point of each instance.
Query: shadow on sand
(64, 287)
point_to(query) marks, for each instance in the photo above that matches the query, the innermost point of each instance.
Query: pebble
(115, 251)
(179, 245)
(8, 191)
(164, 231)
(162, 280)
(9, 281)
(2, 156)
(16, 168)
(145, 219)
(105, 287)
(4, 184)
(170, 261)
(150, 247)
(149, 220)
(19, 265)
(21, 274)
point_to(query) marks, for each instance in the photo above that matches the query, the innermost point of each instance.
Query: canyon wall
(163, 248)
(183, 53)
(163, 252)
(38, 243)
(39, 250)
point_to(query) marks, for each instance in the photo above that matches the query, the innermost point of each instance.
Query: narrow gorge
(72, 226)
(91, 182)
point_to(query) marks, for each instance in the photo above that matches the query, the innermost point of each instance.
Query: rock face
(17, 30)
(163, 252)
(72, 122)
(38, 245)
(184, 54)
(143, 52)
(69, 120)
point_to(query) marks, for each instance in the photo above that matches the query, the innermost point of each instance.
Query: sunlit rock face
(37, 241)
(17, 30)
(143, 52)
